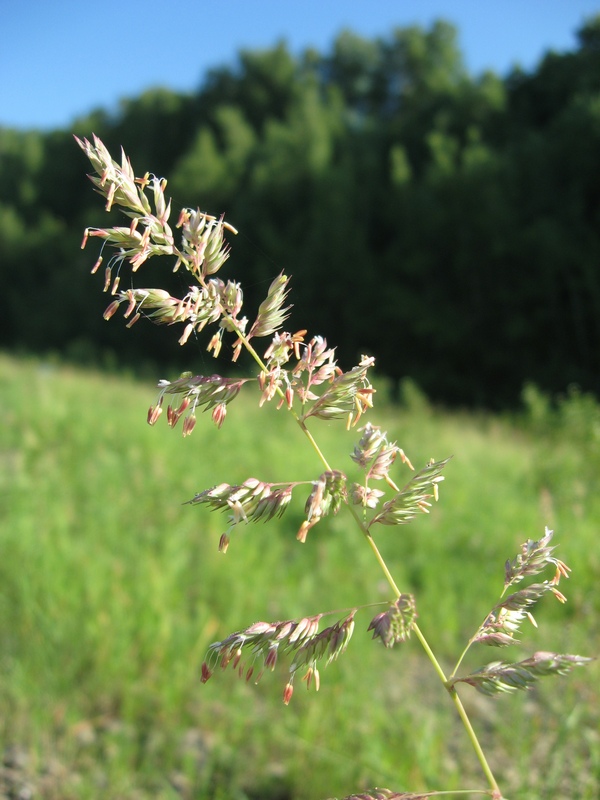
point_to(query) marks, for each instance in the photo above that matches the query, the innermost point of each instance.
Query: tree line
(446, 223)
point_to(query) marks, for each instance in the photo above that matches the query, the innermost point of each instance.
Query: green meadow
(111, 590)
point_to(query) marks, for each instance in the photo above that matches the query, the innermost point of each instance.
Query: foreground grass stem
(304, 377)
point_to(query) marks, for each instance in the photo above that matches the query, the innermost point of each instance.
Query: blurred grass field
(111, 590)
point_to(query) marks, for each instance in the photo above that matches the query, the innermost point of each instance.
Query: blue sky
(59, 59)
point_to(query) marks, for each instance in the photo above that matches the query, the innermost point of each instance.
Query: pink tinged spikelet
(327, 495)
(172, 418)
(174, 414)
(185, 404)
(368, 498)
(260, 628)
(271, 658)
(394, 625)
(307, 626)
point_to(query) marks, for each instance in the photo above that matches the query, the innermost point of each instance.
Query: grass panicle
(305, 379)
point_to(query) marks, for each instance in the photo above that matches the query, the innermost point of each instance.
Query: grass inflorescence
(135, 692)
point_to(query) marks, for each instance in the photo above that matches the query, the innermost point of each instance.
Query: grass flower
(533, 559)
(394, 625)
(499, 677)
(260, 646)
(413, 498)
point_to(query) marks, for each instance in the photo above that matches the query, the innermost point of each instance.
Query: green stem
(461, 657)
(471, 640)
(311, 439)
(436, 665)
(430, 654)
(375, 549)
(497, 794)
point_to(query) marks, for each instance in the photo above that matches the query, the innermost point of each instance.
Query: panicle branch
(327, 495)
(272, 313)
(264, 642)
(211, 392)
(387, 794)
(504, 620)
(533, 559)
(348, 396)
(117, 182)
(251, 501)
(204, 249)
(376, 455)
(394, 625)
(255, 500)
(200, 306)
(500, 677)
(414, 497)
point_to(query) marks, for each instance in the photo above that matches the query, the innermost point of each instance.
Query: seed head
(348, 396)
(394, 625)
(413, 498)
(500, 677)
(265, 642)
(533, 559)
(272, 313)
(327, 495)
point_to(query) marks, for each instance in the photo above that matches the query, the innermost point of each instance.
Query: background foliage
(471, 205)
(111, 591)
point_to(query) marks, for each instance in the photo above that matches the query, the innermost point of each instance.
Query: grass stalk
(324, 392)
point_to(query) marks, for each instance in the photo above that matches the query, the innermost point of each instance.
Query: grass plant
(131, 592)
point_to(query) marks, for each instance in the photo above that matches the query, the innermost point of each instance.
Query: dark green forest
(448, 224)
